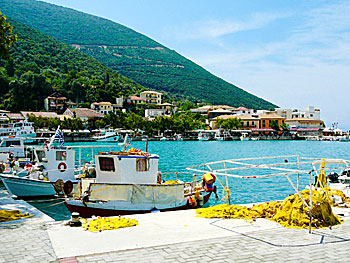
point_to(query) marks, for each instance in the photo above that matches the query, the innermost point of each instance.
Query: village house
(55, 102)
(84, 114)
(102, 107)
(151, 97)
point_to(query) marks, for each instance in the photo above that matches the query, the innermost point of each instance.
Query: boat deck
(168, 237)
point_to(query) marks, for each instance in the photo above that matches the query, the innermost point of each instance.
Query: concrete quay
(168, 237)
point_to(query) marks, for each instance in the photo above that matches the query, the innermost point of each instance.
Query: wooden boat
(128, 182)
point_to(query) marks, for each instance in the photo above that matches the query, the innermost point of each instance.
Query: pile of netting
(292, 212)
(9, 215)
(107, 223)
(337, 197)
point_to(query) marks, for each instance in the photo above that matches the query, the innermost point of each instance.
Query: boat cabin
(127, 168)
(58, 162)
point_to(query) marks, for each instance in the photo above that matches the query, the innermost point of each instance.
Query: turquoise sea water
(177, 155)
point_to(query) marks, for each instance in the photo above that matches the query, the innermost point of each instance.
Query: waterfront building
(310, 113)
(304, 123)
(266, 121)
(38, 114)
(151, 97)
(244, 111)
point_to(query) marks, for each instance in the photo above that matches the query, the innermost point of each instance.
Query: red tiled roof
(85, 112)
(241, 109)
(135, 98)
(40, 114)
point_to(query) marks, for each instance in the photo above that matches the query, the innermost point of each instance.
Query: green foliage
(131, 54)
(285, 127)
(41, 65)
(274, 125)
(6, 37)
(230, 124)
(52, 123)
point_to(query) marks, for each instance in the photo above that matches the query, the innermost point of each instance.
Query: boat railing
(284, 165)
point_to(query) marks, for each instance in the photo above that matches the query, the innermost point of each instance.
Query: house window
(61, 155)
(106, 164)
(247, 123)
(263, 123)
(142, 165)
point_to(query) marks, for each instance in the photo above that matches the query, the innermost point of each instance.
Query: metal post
(79, 159)
(298, 172)
(310, 206)
(228, 192)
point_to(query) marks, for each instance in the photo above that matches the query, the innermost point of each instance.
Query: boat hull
(25, 187)
(87, 211)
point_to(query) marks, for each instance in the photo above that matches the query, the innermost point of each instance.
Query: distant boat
(202, 136)
(18, 129)
(106, 135)
(244, 136)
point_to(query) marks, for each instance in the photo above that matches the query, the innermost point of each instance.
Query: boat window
(142, 165)
(106, 164)
(10, 143)
(61, 155)
(41, 155)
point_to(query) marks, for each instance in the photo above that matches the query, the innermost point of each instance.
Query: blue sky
(292, 53)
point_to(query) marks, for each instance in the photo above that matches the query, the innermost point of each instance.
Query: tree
(6, 37)
(274, 125)
(230, 124)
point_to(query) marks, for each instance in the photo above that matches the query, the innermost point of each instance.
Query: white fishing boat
(52, 173)
(128, 182)
(13, 148)
(106, 135)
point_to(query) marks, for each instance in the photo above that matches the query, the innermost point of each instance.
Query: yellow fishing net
(107, 223)
(9, 215)
(171, 182)
(292, 212)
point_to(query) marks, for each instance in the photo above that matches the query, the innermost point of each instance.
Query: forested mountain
(41, 65)
(130, 53)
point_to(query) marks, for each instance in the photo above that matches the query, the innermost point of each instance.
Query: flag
(59, 134)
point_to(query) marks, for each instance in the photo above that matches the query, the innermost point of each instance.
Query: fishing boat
(128, 182)
(244, 136)
(52, 173)
(106, 135)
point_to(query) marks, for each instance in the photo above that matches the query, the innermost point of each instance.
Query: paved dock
(169, 237)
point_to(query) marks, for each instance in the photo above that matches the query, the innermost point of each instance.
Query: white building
(152, 113)
(151, 97)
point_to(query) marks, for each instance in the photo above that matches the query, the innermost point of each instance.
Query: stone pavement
(29, 241)
(287, 245)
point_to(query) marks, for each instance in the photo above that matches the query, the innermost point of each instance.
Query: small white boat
(164, 139)
(244, 136)
(202, 136)
(129, 182)
(106, 135)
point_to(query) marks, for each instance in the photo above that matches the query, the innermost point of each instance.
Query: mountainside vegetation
(41, 65)
(130, 53)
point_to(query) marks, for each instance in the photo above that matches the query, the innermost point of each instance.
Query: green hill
(42, 65)
(130, 53)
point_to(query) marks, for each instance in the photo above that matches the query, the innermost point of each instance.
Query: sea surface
(176, 156)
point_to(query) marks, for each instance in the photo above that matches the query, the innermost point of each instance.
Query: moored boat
(129, 182)
(106, 135)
